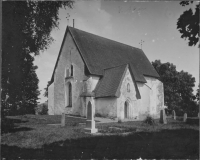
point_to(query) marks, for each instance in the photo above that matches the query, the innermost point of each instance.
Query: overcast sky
(129, 23)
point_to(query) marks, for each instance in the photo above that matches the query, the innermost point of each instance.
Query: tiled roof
(100, 53)
(109, 85)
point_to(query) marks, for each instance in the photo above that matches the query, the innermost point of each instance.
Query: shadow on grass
(182, 143)
(9, 126)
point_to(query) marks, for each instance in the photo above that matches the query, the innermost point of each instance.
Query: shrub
(149, 120)
(192, 121)
(98, 115)
(119, 121)
(42, 109)
(168, 111)
(179, 112)
(192, 113)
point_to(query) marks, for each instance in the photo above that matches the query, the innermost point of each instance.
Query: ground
(41, 137)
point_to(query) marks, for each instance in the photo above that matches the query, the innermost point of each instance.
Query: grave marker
(63, 120)
(185, 117)
(174, 114)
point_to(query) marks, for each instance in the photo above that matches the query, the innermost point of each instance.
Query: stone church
(116, 79)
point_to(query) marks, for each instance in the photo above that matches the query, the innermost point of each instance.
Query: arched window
(70, 95)
(128, 87)
(72, 70)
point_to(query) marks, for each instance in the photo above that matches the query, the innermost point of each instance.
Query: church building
(116, 79)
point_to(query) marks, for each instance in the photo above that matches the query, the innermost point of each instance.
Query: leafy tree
(26, 31)
(188, 24)
(42, 109)
(178, 86)
(197, 94)
(46, 89)
(168, 75)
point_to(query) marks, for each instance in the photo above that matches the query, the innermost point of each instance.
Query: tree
(197, 94)
(178, 86)
(188, 24)
(46, 89)
(26, 31)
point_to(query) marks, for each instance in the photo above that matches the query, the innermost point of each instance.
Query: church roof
(99, 53)
(110, 83)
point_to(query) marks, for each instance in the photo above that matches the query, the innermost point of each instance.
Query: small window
(128, 87)
(71, 70)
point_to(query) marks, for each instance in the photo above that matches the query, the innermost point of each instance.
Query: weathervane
(141, 42)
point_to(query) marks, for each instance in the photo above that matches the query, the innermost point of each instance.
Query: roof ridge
(105, 38)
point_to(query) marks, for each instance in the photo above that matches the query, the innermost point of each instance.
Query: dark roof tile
(110, 82)
(100, 53)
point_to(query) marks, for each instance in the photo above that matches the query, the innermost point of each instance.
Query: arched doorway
(126, 105)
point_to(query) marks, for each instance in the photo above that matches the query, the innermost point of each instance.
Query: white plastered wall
(106, 106)
(69, 55)
(130, 97)
(51, 99)
(152, 98)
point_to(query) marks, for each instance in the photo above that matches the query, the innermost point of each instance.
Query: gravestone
(185, 117)
(63, 120)
(90, 123)
(174, 114)
(163, 118)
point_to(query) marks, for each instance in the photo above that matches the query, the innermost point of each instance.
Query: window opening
(128, 87)
(70, 95)
(71, 70)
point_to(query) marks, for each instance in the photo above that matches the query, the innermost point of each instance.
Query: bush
(149, 120)
(42, 109)
(192, 121)
(168, 111)
(98, 115)
(192, 113)
(179, 112)
(119, 121)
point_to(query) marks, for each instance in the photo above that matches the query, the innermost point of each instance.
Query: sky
(127, 22)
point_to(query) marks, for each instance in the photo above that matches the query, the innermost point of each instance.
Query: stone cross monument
(90, 123)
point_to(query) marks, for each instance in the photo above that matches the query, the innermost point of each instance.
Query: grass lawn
(32, 137)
